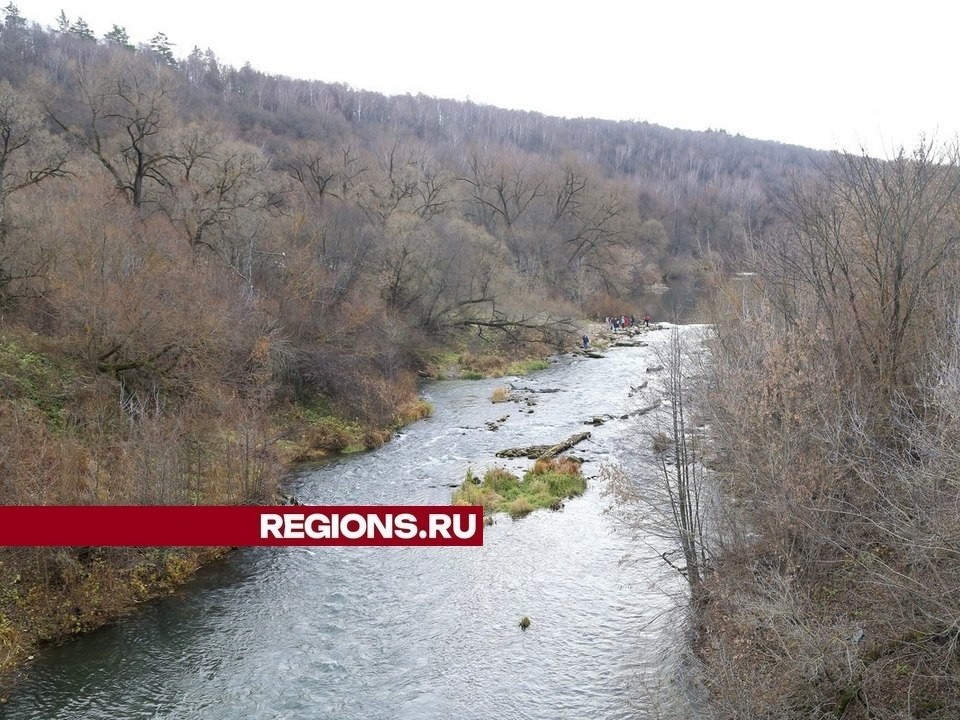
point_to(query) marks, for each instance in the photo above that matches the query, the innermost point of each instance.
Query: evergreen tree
(118, 37)
(13, 20)
(82, 30)
(162, 46)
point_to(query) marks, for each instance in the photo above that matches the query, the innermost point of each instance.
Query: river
(418, 633)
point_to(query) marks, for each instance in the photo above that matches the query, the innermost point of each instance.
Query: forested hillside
(205, 270)
(183, 228)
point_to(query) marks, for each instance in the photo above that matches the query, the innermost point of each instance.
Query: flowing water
(419, 633)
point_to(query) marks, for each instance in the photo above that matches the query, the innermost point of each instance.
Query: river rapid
(418, 633)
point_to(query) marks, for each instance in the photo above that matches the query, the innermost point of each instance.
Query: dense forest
(207, 272)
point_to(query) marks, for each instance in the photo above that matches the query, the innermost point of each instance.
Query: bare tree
(28, 154)
(671, 510)
(866, 239)
(592, 229)
(682, 471)
(501, 193)
(215, 191)
(127, 108)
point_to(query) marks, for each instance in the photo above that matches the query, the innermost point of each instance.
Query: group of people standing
(625, 321)
(615, 324)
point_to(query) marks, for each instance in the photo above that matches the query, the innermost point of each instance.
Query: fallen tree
(535, 452)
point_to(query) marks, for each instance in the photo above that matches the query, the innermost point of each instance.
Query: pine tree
(82, 30)
(13, 20)
(162, 46)
(63, 23)
(118, 37)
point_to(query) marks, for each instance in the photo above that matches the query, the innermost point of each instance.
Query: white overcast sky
(827, 74)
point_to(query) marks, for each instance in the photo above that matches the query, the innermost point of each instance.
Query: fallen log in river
(534, 452)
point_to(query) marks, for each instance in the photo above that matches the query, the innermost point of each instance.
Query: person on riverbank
(646, 321)
(586, 342)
